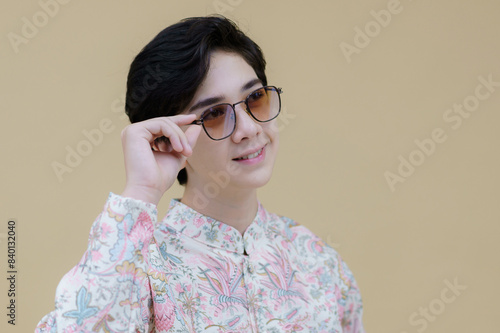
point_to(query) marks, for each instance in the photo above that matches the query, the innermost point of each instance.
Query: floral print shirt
(191, 273)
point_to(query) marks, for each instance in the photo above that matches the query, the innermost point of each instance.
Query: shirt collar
(214, 233)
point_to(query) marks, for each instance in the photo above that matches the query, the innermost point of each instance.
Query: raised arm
(108, 289)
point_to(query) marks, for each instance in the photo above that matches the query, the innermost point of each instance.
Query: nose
(246, 126)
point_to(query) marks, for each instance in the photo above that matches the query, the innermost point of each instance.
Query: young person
(202, 112)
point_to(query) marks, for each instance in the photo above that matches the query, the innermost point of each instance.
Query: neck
(236, 208)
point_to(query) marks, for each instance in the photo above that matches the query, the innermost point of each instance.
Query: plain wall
(355, 109)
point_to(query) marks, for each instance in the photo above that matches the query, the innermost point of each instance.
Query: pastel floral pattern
(191, 273)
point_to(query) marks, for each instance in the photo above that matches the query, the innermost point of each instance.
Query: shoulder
(312, 249)
(298, 234)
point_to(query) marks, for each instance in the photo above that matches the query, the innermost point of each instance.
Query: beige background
(347, 124)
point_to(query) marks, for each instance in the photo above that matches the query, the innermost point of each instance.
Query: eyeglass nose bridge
(233, 106)
(245, 107)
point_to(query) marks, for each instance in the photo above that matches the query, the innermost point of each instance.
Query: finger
(163, 134)
(180, 133)
(167, 127)
(181, 119)
(175, 122)
(192, 135)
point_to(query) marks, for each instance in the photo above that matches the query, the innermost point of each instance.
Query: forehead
(227, 72)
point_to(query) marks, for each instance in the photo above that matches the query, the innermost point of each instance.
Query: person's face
(229, 80)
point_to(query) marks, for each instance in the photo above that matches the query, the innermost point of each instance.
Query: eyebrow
(216, 99)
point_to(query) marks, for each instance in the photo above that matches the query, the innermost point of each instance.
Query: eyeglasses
(219, 122)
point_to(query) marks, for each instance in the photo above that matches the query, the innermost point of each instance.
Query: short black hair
(165, 75)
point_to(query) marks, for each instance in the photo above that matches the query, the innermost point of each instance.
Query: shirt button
(250, 268)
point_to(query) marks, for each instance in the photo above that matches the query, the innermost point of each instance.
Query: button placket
(249, 266)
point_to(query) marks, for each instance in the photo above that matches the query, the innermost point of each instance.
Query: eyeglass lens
(263, 104)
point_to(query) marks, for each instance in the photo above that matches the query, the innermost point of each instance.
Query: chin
(259, 179)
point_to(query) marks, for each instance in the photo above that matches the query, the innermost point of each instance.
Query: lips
(250, 154)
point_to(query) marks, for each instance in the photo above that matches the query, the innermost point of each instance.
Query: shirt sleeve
(108, 290)
(351, 302)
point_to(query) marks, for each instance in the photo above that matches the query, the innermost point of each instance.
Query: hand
(155, 150)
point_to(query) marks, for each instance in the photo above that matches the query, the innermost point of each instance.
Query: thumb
(192, 134)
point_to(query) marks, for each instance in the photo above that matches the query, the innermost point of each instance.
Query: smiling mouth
(257, 153)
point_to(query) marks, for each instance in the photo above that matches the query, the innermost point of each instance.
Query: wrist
(142, 193)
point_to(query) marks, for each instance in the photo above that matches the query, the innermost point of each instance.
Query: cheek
(199, 150)
(273, 130)
(207, 153)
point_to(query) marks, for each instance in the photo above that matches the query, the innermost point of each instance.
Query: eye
(257, 95)
(214, 113)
